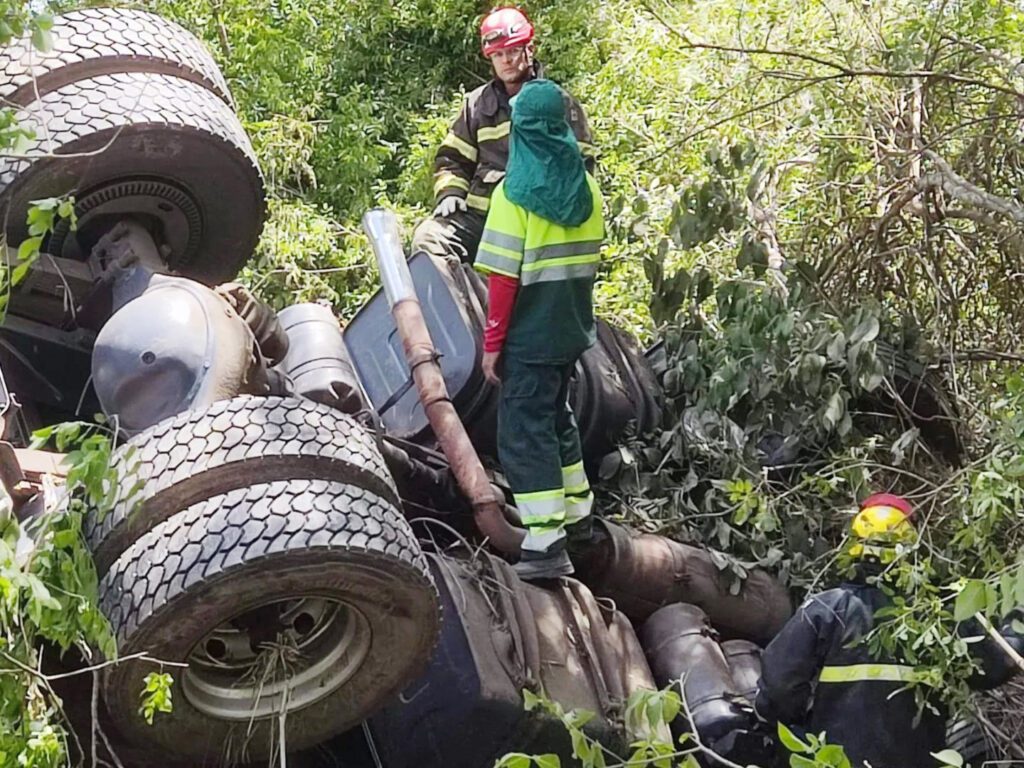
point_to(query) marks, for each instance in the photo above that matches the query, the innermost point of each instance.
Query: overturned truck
(310, 524)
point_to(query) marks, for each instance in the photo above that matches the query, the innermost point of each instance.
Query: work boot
(537, 566)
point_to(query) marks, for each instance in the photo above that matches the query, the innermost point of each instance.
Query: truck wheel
(641, 377)
(105, 41)
(305, 600)
(160, 148)
(233, 444)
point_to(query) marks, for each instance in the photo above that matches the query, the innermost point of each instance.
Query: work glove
(449, 205)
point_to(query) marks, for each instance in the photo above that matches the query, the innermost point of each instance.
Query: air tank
(317, 362)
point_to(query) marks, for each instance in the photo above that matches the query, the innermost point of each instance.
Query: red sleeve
(501, 297)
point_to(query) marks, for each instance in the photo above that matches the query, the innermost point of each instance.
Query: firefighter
(472, 157)
(818, 675)
(540, 250)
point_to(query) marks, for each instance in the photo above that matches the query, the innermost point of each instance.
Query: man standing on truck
(541, 249)
(472, 157)
(818, 674)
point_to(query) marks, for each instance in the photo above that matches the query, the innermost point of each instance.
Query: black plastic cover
(376, 350)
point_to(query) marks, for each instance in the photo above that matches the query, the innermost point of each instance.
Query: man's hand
(490, 366)
(449, 205)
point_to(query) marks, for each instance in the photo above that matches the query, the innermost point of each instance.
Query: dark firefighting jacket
(817, 675)
(472, 158)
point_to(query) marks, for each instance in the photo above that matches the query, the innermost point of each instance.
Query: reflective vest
(553, 317)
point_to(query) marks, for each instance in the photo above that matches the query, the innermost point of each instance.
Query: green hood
(545, 173)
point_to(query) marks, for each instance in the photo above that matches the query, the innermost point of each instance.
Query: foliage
(856, 126)
(49, 599)
(41, 219)
(333, 95)
(305, 255)
(16, 21)
(48, 584)
(650, 713)
(764, 381)
(799, 195)
(156, 695)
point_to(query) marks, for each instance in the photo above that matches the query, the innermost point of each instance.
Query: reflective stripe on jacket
(819, 674)
(819, 662)
(553, 317)
(472, 157)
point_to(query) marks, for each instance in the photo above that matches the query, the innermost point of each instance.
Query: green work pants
(539, 450)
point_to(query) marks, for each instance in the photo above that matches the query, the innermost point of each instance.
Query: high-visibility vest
(553, 319)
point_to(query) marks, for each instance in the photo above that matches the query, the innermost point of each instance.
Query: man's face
(511, 65)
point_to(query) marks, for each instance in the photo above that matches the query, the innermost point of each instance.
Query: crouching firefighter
(472, 158)
(819, 676)
(541, 249)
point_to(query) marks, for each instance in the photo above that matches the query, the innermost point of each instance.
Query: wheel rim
(276, 658)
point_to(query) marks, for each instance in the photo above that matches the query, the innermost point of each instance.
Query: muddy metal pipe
(382, 228)
(683, 651)
(643, 572)
(744, 659)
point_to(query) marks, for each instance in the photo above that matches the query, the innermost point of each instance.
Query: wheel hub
(275, 658)
(175, 214)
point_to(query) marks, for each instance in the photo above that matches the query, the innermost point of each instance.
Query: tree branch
(1000, 640)
(842, 71)
(959, 188)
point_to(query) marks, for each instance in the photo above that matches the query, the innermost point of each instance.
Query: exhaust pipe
(382, 228)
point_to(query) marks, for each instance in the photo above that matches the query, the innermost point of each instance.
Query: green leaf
(654, 712)
(971, 600)
(1007, 593)
(790, 740)
(547, 761)
(673, 704)
(514, 760)
(867, 330)
(22, 142)
(45, 204)
(41, 437)
(1018, 585)
(811, 367)
(834, 410)
(42, 39)
(832, 755)
(29, 248)
(796, 761)
(949, 757)
(581, 747)
(530, 700)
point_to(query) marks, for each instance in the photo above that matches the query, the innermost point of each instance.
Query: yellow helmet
(882, 522)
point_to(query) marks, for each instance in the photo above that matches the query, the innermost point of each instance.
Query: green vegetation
(48, 599)
(872, 150)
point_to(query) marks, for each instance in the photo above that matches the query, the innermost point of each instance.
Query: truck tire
(327, 576)
(233, 444)
(641, 374)
(105, 41)
(163, 149)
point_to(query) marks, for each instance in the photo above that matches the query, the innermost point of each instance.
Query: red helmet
(888, 500)
(504, 28)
